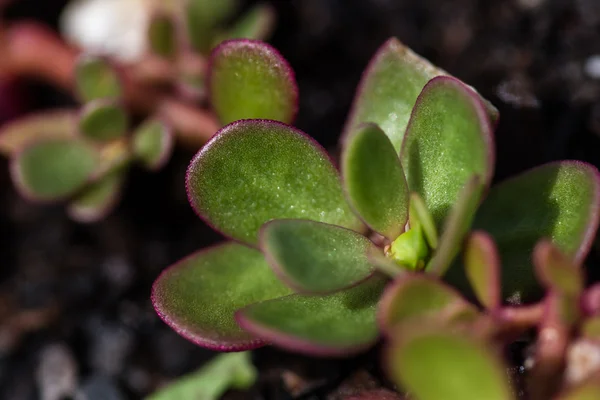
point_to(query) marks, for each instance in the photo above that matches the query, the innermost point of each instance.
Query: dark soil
(74, 299)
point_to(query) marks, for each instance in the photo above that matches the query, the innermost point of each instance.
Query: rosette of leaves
(83, 157)
(301, 269)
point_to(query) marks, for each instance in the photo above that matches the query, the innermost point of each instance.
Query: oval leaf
(53, 169)
(338, 324)
(448, 140)
(97, 199)
(456, 227)
(249, 79)
(257, 23)
(95, 78)
(16, 135)
(315, 257)
(437, 365)
(198, 296)
(152, 143)
(254, 171)
(374, 180)
(102, 121)
(482, 267)
(162, 35)
(558, 201)
(202, 16)
(555, 271)
(418, 297)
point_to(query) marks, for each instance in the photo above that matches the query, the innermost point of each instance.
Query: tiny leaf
(203, 16)
(254, 171)
(198, 296)
(16, 135)
(53, 169)
(456, 226)
(250, 79)
(230, 370)
(338, 324)
(257, 23)
(152, 143)
(162, 35)
(448, 140)
(103, 120)
(555, 271)
(95, 78)
(418, 297)
(448, 366)
(418, 214)
(482, 267)
(315, 257)
(374, 180)
(97, 199)
(558, 201)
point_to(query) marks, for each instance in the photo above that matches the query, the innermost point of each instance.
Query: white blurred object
(115, 28)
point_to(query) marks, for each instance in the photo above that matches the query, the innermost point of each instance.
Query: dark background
(83, 291)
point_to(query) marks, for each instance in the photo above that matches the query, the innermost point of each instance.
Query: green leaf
(53, 169)
(103, 120)
(456, 226)
(199, 295)
(152, 143)
(448, 366)
(414, 298)
(482, 267)
(254, 171)
(95, 78)
(448, 140)
(250, 79)
(558, 201)
(338, 324)
(418, 214)
(389, 89)
(55, 124)
(257, 23)
(590, 329)
(97, 199)
(203, 16)
(162, 35)
(315, 257)
(225, 371)
(587, 391)
(374, 180)
(555, 271)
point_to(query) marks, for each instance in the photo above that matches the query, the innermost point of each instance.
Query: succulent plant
(82, 156)
(322, 262)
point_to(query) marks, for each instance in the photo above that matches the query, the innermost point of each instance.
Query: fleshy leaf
(202, 18)
(418, 214)
(225, 371)
(456, 226)
(374, 180)
(53, 169)
(418, 297)
(558, 201)
(338, 324)
(586, 391)
(555, 271)
(482, 267)
(16, 135)
(95, 78)
(103, 120)
(254, 171)
(385, 264)
(250, 79)
(315, 257)
(152, 143)
(389, 89)
(162, 35)
(97, 199)
(448, 140)
(198, 296)
(257, 23)
(448, 366)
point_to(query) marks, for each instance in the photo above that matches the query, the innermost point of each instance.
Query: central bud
(409, 249)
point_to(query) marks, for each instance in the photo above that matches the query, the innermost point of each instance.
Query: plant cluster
(82, 156)
(326, 262)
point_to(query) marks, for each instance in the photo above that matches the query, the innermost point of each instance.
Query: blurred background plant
(75, 313)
